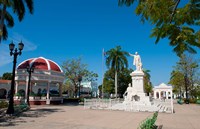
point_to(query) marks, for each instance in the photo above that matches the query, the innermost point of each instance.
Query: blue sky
(64, 29)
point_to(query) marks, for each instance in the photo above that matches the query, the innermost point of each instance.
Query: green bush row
(191, 100)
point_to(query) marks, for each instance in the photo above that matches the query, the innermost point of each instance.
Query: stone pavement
(75, 117)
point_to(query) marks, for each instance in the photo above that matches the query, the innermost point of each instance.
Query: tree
(173, 19)
(7, 76)
(108, 82)
(177, 81)
(6, 19)
(183, 77)
(147, 82)
(116, 60)
(123, 81)
(74, 69)
(68, 88)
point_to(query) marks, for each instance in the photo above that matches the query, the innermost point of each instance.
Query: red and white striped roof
(40, 63)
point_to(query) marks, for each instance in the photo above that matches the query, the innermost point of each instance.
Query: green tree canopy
(175, 20)
(177, 81)
(116, 60)
(183, 77)
(7, 76)
(74, 69)
(109, 79)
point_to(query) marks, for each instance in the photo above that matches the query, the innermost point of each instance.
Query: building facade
(89, 87)
(45, 82)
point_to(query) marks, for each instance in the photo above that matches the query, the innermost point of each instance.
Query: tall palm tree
(116, 59)
(6, 19)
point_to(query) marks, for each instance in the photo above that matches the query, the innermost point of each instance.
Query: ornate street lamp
(15, 53)
(30, 69)
(79, 80)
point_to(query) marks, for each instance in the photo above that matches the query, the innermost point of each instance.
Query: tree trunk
(186, 89)
(115, 84)
(76, 91)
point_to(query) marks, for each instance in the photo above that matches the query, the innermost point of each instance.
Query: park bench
(180, 101)
(149, 122)
(20, 108)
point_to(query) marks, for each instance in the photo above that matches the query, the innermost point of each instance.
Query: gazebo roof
(40, 63)
(162, 86)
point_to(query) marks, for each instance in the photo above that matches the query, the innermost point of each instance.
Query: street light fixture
(30, 69)
(79, 80)
(15, 53)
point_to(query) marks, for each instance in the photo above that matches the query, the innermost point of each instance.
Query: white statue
(130, 92)
(137, 61)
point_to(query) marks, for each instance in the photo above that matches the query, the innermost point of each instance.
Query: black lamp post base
(187, 101)
(10, 110)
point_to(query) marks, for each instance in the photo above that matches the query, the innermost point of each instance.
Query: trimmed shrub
(198, 101)
(192, 100)
(3, 104)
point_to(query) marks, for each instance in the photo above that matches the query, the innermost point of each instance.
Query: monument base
(135, 93)
(138, 81)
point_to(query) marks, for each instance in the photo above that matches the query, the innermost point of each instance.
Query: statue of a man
(137, 61)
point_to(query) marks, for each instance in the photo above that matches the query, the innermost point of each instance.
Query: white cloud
(28, 45)
(5, 57)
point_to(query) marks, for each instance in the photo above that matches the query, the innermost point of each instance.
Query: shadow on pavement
(7, 121)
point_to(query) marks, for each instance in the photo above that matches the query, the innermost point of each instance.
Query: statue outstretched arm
(131, 54)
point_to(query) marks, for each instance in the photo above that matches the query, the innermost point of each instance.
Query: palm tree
(116, 59)
(6, 19)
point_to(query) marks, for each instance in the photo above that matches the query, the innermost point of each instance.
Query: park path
(186, 116)
(75, 117)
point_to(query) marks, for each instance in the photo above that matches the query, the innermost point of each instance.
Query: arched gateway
(46, 81)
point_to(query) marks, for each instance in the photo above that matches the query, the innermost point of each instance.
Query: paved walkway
(75, 117)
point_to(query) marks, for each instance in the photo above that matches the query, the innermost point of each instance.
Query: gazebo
(46, 81)
(162, 91)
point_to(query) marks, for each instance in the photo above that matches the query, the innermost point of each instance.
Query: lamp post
(15, 53)
(30, 69)
(79, 80)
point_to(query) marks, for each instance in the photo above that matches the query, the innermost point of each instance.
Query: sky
(66, 29)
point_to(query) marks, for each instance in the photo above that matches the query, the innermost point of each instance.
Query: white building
(4, 88)
(89, 87)
(162, 91)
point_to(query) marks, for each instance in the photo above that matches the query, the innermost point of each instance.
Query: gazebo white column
(26, 93)
(48, 88)
(154, 94)
(16, 87)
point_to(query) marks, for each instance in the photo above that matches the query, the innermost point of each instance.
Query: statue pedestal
(135, 93)
(138, 81)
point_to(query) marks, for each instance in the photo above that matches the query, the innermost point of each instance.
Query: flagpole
(102, 73)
